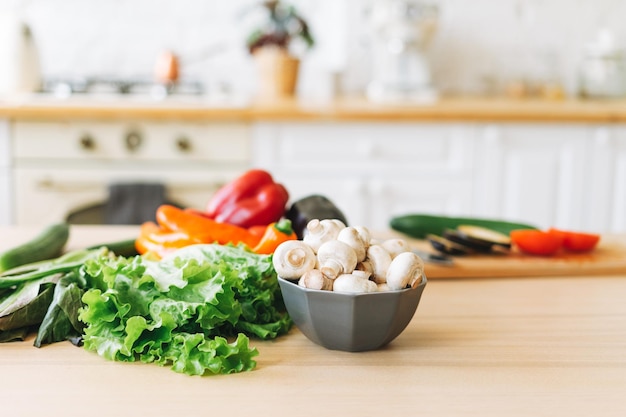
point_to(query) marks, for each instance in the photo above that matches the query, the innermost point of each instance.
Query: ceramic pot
(278, 72)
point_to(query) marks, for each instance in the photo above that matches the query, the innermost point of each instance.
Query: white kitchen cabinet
(568, 176)
(549, 174)
(5, 173)
(533, 173)
(372, 171)
(136, 141)
(605, 202)
(61, 167)
(563, 175)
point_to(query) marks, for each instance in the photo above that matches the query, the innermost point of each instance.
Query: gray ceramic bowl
(350, 322)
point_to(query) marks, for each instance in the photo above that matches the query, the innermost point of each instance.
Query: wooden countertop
(342, 109)
(546, 346)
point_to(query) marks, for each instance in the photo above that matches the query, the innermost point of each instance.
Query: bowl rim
(355, 294)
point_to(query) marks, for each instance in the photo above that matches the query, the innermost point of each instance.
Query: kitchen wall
(481, 45)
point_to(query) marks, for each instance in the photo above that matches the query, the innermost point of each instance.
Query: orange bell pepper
(258, 230)
(159, 242)
(203, 229)
(275, 234)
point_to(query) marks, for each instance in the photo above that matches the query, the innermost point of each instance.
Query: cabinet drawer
(92, 140)
(443, 149)
(372, 203)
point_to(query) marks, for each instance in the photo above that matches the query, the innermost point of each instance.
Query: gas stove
(66, 87)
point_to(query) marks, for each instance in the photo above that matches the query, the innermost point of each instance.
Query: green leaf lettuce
(181, 311)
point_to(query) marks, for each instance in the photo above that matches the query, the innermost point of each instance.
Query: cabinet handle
(87, 142)
(133, 141)
(48, 184)
(183, 144)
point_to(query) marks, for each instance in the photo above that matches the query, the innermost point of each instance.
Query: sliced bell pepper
(576, 241)
(250, 200)
(536, 242)
(203, 229)
(159, 242)
(257, 230)
(275, 234)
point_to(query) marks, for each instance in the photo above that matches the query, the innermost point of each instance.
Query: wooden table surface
(545, 346)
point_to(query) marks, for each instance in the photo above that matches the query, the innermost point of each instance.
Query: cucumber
(125, 248)
(421, 225)
(48, 244)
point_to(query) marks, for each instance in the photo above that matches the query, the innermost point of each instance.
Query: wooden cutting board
(608, 258)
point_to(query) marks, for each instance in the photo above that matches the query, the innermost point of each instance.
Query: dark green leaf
(61, 320)
(68, 262)
(32, 313)
(15, 335)
(23, 294)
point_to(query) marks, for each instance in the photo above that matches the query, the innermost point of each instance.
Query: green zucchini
(125, 248)
(48, 244)
(421, 225)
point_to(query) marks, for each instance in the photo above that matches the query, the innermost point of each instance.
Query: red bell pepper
(253, 199)
(549, 242)
(536, 242)
(577, 241)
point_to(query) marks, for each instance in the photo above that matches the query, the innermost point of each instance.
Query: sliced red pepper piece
(252, 199)
(536, 242)
(577, 241)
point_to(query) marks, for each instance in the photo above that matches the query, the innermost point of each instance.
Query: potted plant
(273, 45)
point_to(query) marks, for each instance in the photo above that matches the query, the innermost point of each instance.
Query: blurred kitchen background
(479, 47)
(509, 109)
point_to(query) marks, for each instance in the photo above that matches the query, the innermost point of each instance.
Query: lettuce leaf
(181, 311)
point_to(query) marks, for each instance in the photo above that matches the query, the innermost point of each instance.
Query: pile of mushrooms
(335, 257)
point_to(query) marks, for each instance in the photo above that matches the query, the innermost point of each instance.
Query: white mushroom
(351, 236)
(396, 246)
(365, 234)
(383, 287)
(416, 280)
(293, 258)
(403, 270)
(362, 274)
(335, 258)
(320, 231)
(380, 260)
(354, 284)
(314, 279)
(365, 266)
(338, 223)
(374, 241)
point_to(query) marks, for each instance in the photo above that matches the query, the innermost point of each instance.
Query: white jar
(602, 72)
(19, 61)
